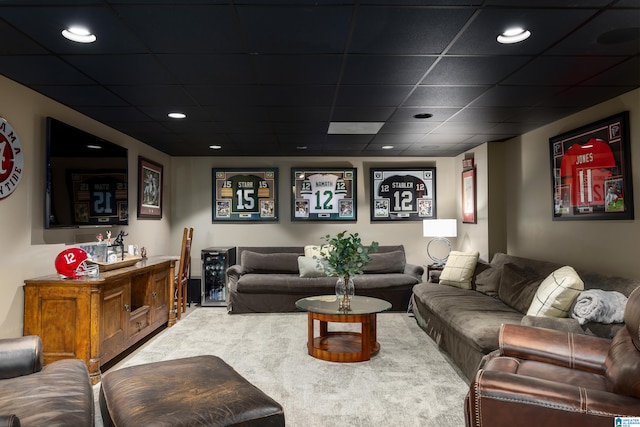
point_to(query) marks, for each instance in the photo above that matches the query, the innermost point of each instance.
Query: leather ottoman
(194, 391)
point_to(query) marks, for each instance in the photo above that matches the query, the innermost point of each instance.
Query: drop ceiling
(267, 78)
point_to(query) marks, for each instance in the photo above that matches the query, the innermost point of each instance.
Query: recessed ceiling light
(514, 35)
(354, 128)
(387, 147)
(301, 147)
(177, 115)
(215, 147)
(94, 147)
(79, 34)
(422, 116)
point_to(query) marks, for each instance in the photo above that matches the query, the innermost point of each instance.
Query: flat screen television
(87, 184)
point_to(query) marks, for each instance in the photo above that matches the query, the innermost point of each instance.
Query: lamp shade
(439, 228)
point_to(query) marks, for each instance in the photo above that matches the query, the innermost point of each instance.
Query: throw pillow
(254, 262)
(315, 250)
(386, 262)
(556, 293)
(518, 286)
(311, 267)
(459, 269)
(487, 279)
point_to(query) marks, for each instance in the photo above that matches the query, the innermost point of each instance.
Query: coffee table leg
(310, 333)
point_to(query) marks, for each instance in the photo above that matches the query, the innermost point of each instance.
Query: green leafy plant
(345, 255)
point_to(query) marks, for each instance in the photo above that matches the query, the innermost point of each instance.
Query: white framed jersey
(245, 195)
(324, 194)
(402, 194)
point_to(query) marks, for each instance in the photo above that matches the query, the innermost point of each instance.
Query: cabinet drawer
(139, 320)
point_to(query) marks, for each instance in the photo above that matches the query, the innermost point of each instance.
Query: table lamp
(439, 230)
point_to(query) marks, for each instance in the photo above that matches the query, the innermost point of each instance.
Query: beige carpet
(409, 383)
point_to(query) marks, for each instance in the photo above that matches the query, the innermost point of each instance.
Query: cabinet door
(159, 296)
(114, 323)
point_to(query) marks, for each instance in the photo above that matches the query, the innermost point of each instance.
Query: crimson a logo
(11, 159)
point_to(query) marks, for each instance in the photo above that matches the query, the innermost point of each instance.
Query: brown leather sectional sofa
(466, 323)
(58, 394)
(268, 279)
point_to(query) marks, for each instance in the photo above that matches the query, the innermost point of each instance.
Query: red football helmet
(71, 264)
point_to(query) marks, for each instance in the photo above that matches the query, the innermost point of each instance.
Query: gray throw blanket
(596, 305)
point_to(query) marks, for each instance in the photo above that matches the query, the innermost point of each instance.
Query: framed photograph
(591, 171)
(324, 194)
(241, 195)
(469, 196)
(403, 194)
(149, 189)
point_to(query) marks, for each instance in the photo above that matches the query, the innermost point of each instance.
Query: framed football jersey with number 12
(245, 194)
(403, 194)
(324, 194)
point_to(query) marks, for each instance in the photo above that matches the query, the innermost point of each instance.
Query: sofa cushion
(556, 293)
(387, 262)
(311, 267)
(254, 262)
(487, 279)
(518, 286)
(459, 269)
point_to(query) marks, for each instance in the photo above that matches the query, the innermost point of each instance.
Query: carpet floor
(409, 383)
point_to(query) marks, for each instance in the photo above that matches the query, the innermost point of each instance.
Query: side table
(433, 272)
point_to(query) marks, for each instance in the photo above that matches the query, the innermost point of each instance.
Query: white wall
(28, 249)
(192, 206)
(607, 246)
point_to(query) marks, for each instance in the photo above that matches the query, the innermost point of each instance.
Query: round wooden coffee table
(342, 346)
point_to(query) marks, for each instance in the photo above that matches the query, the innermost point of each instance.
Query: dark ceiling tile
(259, 139)
(473, 70)
(150, 95)
(45, 25)
(238, 113)
(462, 128)
(444, 139)
(417, 126)
(548, 3)
(298, 69)
(486, 114)
(444, 96)
(397, 138)
(379, 96)
(184, 28)
(114, 115)
(406, 114)
(302, 139)
(406, 30)
(584, 97)
(42, 70)
(514, 96)
(20, 43)
(205, 69)
(302, 30)
(159, 112)
(231, 95)
(546, 26)
(308, 95)
(299, 114)
(248, 127)
(627, 73)
(387, 69)
(348, 139)
(121, 69)
(560, 71)
(76, 96)
(300, 127)
(585, 39)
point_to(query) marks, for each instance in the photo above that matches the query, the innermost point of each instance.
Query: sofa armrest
(9, 421)
(566, 349)
(20, 356)
(414, 270)
(508, 399)
(233, 274)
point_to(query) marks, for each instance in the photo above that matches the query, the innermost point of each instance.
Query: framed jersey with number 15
(245, 195)
(403, 194)
(323, 194)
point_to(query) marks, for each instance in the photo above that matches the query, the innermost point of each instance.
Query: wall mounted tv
(87, 184)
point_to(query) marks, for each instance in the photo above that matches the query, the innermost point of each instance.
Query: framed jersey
(98, 197)
(591, 171)
(324, 194)
(245, 194)
(403, 194)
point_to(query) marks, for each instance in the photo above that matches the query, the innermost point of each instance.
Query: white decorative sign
(11, 159)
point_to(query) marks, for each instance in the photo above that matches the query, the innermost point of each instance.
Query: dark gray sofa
(268, 279)
(59, 394)
(465, 323)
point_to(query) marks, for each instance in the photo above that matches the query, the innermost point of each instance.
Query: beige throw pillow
(556, 293)
(311, 267)
(459, 269)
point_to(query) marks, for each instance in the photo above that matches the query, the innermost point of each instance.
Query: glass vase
(345, 290)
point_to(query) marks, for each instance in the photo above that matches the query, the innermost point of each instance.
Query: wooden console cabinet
(97, 319)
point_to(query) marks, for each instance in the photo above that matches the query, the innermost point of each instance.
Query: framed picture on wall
(324, 194)
(591, 171)
(403, 194)
(469, 196)
(149, 189)
(241, 195)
